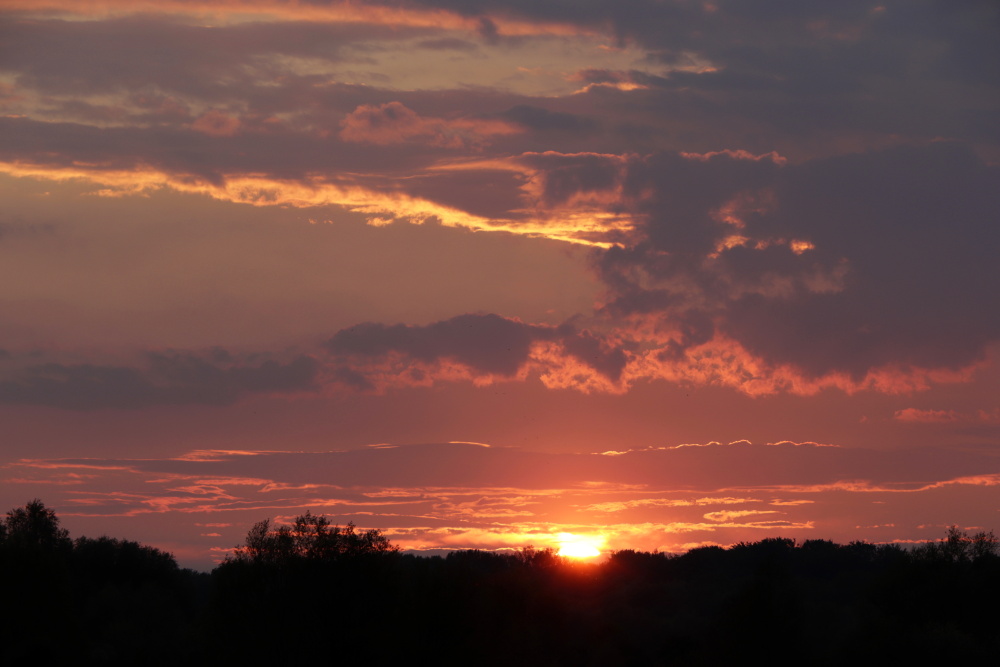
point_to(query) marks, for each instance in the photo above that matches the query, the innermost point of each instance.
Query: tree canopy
(34, 526)
(310, 538)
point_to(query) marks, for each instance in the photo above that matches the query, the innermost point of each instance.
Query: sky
(489, 273)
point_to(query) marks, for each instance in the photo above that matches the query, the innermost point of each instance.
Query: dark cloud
(917, 68)
(676, 198)
(543, 120)
(894, 268)
(843, 265)
(168, 378)
(183, 152)
(778, 73)
(146, 52)
(486, 343)
(915, 228)
(351, 378)
(607, 360)
(565, 176)
(487, 29)
(493, 194)
(765, 34)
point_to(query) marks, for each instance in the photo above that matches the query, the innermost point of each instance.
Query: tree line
(313, 591)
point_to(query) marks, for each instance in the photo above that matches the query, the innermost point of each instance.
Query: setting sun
(579, 546)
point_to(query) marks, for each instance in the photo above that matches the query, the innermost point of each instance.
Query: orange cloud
(729, 515)
(351, 191)
(227, 12)
(664, 502)
(393, 123)
(740, 154)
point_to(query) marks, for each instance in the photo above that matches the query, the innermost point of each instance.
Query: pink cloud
(926, 416)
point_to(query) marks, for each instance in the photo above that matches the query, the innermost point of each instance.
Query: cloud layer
(760, 192)
(461, 495)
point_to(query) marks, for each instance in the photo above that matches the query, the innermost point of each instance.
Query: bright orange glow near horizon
(579, 546)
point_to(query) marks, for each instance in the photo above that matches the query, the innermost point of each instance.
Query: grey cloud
(486, 343)
(781, 71)
(168, 378)
(544, 120)
(351, 378)
(186, 152)
(142, 51)
(596, 353)
(568, 175)
(900, 272)
(678, 214)
(917, 227)
(804, 68)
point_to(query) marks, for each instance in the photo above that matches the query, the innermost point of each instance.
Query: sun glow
(579, 546)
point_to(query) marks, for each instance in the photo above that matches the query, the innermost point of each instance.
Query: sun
(579, 546)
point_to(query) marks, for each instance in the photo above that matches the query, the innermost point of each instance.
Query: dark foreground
(315, 594)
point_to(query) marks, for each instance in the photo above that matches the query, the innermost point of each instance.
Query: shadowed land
(325, 594)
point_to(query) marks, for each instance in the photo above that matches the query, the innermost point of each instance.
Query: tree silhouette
(960, 547)
(311, 538)
(35, 527)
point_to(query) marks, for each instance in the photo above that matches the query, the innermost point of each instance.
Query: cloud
(216, 123)
(783, 199)
(922, 416)
(784, 276)
(540, 119)
(831, 266)
(172, 55)
(393, 123)
(441, 495)
(925, 416)
(806, 69)
(784, 268)
(166, 378)
(730, 515)
(487, 345)
(511, 472)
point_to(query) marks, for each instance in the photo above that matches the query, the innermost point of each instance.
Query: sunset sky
(657, 273)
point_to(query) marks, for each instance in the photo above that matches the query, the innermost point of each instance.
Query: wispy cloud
(422, 496)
